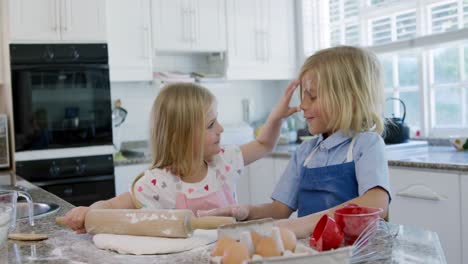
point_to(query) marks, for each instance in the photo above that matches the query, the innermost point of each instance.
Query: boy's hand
(282, 109)
(240, 212)
(75, 218)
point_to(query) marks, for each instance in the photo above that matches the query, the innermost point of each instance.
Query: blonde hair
(177, 127)
(350, 88)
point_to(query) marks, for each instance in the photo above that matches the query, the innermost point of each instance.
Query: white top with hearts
(157, 188)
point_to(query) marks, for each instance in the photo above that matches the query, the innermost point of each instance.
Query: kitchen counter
(411, 155)
(412, 244)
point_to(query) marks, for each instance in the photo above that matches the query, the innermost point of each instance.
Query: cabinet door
(83, 20)
(262, 180)
(431, 200)
(464, 219)
(124, 176)
(261, 42)
(280, 167)
(280, 44)
(129, 40)
(34, 20)
(243, 187)
(171, 21)
(209, 25)
(243, 30)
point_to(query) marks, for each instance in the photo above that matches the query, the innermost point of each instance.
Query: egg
(255, 238)
(289, 239)
(222, 244)
(236, 253)
(267, 247)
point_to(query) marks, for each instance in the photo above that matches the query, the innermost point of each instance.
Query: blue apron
(325, 187)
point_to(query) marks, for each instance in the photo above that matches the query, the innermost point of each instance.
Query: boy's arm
(266, 140)
(303, 226)
(275, 210)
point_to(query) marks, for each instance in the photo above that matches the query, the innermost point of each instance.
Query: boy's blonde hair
(177, 127)
(350, 88)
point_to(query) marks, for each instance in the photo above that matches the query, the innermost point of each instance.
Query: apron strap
(311, 155)
(349, 155)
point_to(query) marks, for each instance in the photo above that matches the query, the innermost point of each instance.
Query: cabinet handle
(421, 192)
(64, 21)
(193, 27)
(267, 46)
(257, 43)
(54, 15)
(185, 19)
(145, 42)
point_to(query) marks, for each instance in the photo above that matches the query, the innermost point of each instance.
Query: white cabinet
(261, 39)
(280, 166)
(57, 20)
(263, 176)
(429, 199)
(189, 25)
(129, 40)
(124, 176)
(262, 180)
(464, 216)
(243, 188)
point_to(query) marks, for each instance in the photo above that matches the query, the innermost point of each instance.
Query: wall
(137, 98)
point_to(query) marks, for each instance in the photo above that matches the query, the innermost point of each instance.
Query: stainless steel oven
(62, 119)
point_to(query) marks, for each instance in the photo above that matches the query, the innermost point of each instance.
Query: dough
(143, 245)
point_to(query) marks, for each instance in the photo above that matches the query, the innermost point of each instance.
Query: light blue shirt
(368, 155)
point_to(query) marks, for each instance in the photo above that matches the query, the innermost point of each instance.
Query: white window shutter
(381, 29)
(465, 13)
(443, 17)
(406, 25)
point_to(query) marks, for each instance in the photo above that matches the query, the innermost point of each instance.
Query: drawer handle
(421, 192)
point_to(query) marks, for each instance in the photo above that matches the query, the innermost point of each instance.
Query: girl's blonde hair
(350, 87)
(177, 127)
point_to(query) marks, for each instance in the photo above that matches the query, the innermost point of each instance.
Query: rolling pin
(148, 222)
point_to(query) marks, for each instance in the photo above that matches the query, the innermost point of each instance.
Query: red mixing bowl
(354, 219)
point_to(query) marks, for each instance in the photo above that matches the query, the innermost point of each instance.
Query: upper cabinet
(57, 20)
(261, 39)
(129, 40)
(189, 25)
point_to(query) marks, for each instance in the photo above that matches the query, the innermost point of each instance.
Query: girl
(341, 98)
(190, 170)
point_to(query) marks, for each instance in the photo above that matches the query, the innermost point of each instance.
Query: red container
(327, 234)
(354, 219)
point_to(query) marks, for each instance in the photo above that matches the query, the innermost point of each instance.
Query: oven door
(81, 191)
(61, 106)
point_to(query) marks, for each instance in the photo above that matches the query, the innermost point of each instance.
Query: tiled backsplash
(137, 98)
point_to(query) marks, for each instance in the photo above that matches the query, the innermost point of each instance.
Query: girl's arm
(266, 140)
(74, 218)
(303, 226)
(275, 209)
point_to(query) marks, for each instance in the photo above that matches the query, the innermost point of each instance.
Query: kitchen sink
(40, 209)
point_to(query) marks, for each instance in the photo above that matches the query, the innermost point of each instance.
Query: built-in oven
(62, 119)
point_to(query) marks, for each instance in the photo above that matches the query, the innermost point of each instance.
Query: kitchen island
(412, 244)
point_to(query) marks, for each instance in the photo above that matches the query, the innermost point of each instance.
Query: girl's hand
(74, 219)
(240, 212)
(282, 109)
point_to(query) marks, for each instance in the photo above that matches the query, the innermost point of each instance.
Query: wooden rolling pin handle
(60, 220)
(211, 222)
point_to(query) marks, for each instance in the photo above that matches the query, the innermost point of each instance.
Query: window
(423, 50)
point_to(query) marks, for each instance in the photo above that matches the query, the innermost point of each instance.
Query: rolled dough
(143, 245)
